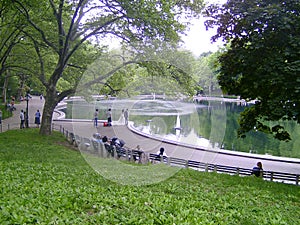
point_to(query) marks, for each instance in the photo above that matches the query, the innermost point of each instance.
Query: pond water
(210, 125)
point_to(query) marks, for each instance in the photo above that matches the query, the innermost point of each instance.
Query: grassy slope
(43, 182)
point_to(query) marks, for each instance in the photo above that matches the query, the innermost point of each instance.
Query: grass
(45, 182)
(5, 112)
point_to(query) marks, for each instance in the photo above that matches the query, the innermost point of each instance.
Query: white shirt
(22, 116)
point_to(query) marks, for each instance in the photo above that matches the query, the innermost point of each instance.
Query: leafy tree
(67, 25)
(206, 74)
(262, 62)
(163, 71)
(11, 37)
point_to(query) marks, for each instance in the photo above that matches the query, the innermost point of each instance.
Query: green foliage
(163, 71)
(5, 113)
(56, 50)
(205, 72)
(262, 62)
(43, 182)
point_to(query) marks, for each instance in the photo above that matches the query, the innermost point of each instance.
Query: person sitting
(257, 170)
(118, 145)
(105, 139)
(108, 146)
(161, 154)
(97, 138)
(137, 152)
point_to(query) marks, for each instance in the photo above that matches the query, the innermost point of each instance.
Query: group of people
(25, 119)
(108, 115)
(111, 145)
(123, 118)
(116, 145)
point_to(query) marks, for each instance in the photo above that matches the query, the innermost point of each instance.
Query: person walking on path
(22, 118)
(126, 115)
(96, 113)
(37, 118)
(109, 115)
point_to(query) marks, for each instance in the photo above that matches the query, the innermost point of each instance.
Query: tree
(11, 37)
(262, 61)
(206, 74)
(149, 70)
(66, 25)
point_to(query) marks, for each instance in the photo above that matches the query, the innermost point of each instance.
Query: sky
(198, 38)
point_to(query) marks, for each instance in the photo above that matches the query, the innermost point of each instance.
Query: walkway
(148, 144)
(14, 122)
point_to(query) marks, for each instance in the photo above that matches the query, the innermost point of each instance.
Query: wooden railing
(88, 145)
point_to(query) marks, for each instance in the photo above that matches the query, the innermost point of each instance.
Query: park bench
(132, 154)
(157, 158)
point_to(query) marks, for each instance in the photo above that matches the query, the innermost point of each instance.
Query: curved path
(85, 128)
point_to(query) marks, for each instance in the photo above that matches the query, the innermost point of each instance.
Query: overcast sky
(198, 38)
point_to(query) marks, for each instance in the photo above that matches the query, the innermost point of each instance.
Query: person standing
(121, 121)
(22, 118)
(37, 118)
(96, 113)
(126, 116)
(109, 115)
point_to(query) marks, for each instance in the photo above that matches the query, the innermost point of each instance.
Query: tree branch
(24, 12)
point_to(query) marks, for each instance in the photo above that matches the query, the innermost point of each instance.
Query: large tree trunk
(49, 106)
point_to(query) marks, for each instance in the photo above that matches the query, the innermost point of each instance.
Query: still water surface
(206, 124)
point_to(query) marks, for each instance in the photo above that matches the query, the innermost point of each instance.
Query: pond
(210, 124)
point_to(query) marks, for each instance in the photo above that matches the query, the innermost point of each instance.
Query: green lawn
(5, 112)
(45, 182)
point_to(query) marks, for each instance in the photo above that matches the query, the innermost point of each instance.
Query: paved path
(132, 139)
(14, 122)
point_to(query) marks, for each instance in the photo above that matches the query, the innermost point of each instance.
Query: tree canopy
(60, 32)
(262, 61)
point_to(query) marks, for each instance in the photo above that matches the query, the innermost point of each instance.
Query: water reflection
(207, 124)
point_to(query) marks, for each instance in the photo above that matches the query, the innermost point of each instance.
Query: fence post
(100, 149)
(206, 167)
(297, 179)
(115, 155)
(238, 171)
(215, 168)
(272, 174)
(168, 160)
(127, 154)
(187, 164)
(7, 126)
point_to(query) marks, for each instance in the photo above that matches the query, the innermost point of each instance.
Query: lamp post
(26, 115)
